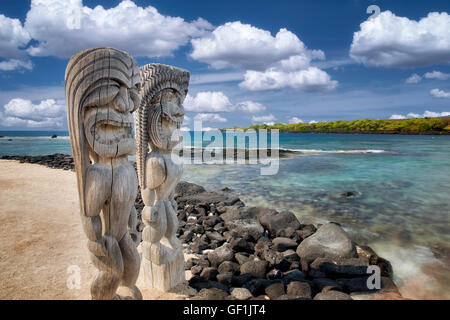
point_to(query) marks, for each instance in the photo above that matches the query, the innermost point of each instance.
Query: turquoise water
(403, 204)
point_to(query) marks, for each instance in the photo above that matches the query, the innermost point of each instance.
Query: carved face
(108, 119)
(167, 116)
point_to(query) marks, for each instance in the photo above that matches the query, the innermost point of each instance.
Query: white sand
(41, 236)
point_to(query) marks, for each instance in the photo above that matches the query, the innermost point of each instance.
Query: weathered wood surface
(158, 121)
(102, 87)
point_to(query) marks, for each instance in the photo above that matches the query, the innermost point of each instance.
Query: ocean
(388, 191)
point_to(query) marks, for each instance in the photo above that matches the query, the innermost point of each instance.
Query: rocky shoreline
(241, 253)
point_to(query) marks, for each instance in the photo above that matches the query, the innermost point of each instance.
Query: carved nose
(123, 102)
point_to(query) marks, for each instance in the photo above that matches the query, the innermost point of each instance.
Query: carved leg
(162, 263)
(110, 268)
(131, 264)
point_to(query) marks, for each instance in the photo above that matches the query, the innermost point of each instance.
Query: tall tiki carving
(158, 121)
(102, 87)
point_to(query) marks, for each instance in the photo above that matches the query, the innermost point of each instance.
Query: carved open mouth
(174, 121)
(111, 131)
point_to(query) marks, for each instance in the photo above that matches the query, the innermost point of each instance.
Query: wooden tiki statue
(102, 87)
(158, 122)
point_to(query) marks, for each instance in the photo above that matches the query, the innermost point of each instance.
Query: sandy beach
(41, 238)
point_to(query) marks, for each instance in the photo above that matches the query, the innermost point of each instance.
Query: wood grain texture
(102, 87)
(158, 121)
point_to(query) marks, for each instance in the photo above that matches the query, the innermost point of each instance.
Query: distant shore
(426, 126)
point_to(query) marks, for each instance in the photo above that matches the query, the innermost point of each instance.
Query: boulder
(200, 283)
(241, 294)
(225, 278)
(241, 257)
(330, 241)
(184, 188)
(246, 226)
(240, 245)
(240, 280)
(294, 275)
(257, 286)
(209, 273)
(211, 294)
(221, 254)
(281, 244)
(274, 221)
(229, 266)
(256, 268)
(332, 295)
(275, 290)
(299, 289)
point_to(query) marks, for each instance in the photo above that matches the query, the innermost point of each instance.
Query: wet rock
(225, 278)
(185, 188)
(211, 294)
(299, 289)
(275, 260)
(196, 270)
(330, 241)
(246, 226)
(221, 254)
(241, 294)
(256, 268)
(229, 266)
(240, 245)
(281, 244)
(359, 284)
(215, 236)
(211, 221)
(294, 275)
(290, 255)
(209, 273)
(241, 257)
(321, 284)
(200, 283)
(332, 295)
(274, 274)
(275, 290)
(240, 280)
(274, 221)
(198, 245)
(347, 195)
(257, 286)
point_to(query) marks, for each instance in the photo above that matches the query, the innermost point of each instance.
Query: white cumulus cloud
(308, 80)
(208, 101)
(62, 28)
(391, 41)
(48, 113)
(295, 120)
(267, 119)
(437, 75)
(426, 114)
(270, 62)
(440, 94)
(13, 39)
(211, 117)
(414, 78)
(217, 101)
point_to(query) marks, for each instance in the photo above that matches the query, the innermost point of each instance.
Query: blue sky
(250, 61)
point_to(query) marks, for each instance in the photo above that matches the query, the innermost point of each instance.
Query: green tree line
(407, 126)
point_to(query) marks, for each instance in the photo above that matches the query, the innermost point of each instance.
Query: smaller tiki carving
(158, 121)
(102, 87)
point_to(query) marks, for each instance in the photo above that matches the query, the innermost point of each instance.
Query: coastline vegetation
(406, 126)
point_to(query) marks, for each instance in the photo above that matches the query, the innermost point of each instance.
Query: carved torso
(163, 175)
(111, 188)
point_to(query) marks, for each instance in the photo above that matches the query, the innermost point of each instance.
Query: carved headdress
(154, 78)
(93, 78)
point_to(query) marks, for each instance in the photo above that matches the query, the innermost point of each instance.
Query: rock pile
(241, 253)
